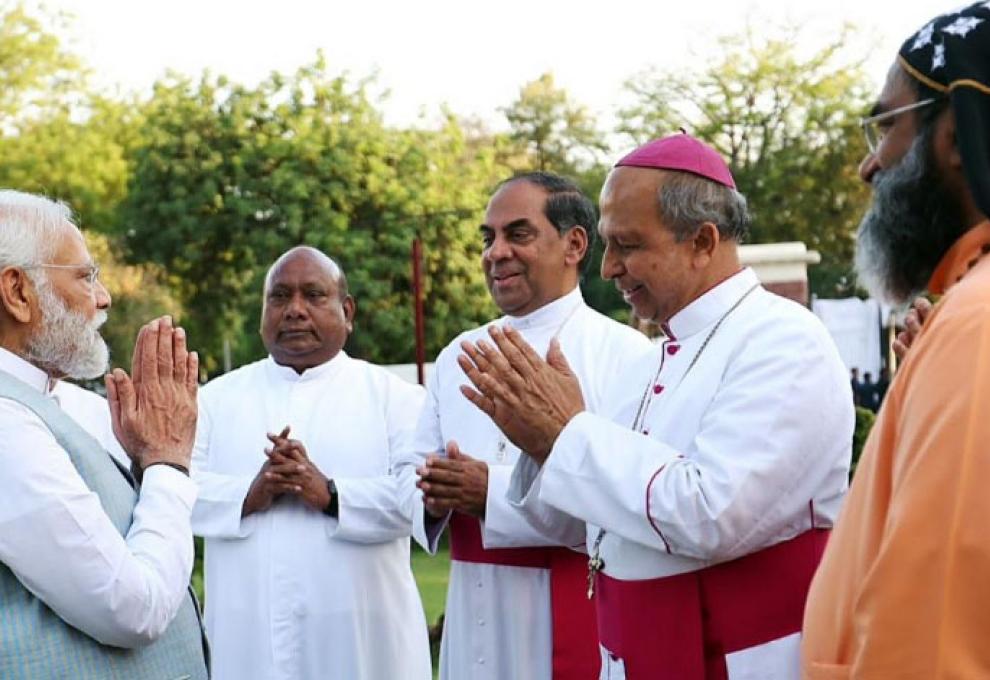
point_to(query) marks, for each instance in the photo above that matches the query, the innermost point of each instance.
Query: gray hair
(30, 227)
(685, 201)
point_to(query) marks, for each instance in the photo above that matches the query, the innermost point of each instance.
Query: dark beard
(912, 223)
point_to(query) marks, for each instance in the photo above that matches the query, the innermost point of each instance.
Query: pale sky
(473, 56)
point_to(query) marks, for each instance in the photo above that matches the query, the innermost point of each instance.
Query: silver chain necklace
(596, 563)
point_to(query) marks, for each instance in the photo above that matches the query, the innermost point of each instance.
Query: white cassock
(291, 593)
(746, 449)
(498, 622)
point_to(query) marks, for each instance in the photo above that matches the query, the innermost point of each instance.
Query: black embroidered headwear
(951, 55)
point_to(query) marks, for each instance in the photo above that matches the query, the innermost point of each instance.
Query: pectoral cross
(595, 565)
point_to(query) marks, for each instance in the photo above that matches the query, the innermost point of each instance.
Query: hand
(529, 399)
(915, 319)
(457, 482)
(154, 415)
(295, 469)
(268, 485)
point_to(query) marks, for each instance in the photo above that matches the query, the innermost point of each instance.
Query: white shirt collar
(321, 372)
(25, 371)
(708, 308)
(551, 314)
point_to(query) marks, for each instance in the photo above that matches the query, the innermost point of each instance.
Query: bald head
(307, 313)
(316, 258)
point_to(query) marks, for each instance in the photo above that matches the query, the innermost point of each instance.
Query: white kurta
(497, 621)
(749, 448)
(292, 594)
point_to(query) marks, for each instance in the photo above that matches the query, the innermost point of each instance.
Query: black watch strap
(331, 509)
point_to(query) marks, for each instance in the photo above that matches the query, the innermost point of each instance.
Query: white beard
(68, 343)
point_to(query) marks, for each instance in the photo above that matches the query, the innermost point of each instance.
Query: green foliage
(556, 133)
(787, 123)
(864, 423)
(37, 73)
(231, 177)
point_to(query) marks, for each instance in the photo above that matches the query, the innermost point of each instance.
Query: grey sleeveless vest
(35, 644)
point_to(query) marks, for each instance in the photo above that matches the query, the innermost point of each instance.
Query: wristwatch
(331, 509)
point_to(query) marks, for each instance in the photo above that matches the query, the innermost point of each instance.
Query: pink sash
(575, 637)
(681, 627)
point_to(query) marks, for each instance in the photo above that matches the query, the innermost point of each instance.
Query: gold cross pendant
(595, 565)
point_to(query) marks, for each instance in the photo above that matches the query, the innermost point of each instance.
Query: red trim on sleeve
(648, 517)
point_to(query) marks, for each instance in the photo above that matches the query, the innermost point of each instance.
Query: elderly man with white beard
(902, 591)
(94, 568)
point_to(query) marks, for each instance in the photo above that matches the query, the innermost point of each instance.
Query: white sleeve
(58, 541)
(217, 513)
(777, 429)
(379, 509)
(427, 438)
(511, 523)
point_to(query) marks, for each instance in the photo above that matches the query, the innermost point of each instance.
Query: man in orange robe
(903, 591)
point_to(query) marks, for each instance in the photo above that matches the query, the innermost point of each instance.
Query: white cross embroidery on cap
(938, 59)
(924, 37)
(962, 25)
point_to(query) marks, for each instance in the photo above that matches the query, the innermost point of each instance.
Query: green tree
(556, 133)
(37, 72)
(787, 123)
(229, 177)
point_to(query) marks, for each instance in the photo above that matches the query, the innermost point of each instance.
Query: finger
(452, 449)
(524, 349)
(900, 349)
(556, 358)
(505, 364)
(166, 334)
(446, 473)
(192, 371)
(924, 308)
(148, 359)
(137, 354)
(439, 490)
(485, 404)
(125, 394)
(180, 356)
(112, 398)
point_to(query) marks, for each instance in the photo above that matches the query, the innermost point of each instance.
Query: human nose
(499, 249)
(610, 265)
(296, 306)
(868, 167)
(103, 299)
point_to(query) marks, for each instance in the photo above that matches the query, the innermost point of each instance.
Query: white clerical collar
(25, 371)
(321, 372)
(551, 314)
(707, 309)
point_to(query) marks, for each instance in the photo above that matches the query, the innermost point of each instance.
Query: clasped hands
(530, 399)
(153, 411)
(288, 470)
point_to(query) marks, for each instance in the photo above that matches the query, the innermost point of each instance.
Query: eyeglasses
(92, 270)
(872, 125)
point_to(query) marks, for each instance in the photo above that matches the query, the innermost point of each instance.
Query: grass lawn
(431, 577)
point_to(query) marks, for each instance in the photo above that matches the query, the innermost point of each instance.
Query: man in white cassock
(307, 540)
(707, 486)
(516, 605)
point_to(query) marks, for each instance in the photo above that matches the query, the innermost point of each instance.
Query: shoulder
(777, 319)
(381, 378)
(236, 380)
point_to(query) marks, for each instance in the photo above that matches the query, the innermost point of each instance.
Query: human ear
(576, 244)
(16, 295)
(705, 241)
(350, 307)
